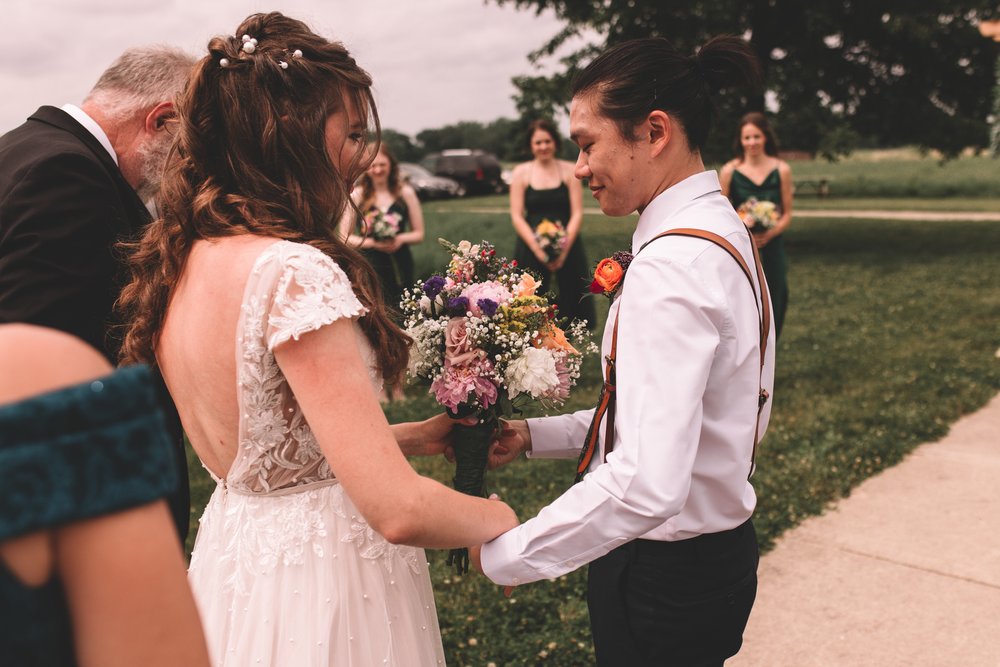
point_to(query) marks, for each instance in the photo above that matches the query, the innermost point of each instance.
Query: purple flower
(623, 258)
(488, 307)
(459, 305)
(433, 286)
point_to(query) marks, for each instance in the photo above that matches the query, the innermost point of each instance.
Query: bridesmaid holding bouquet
(546, 203)
(757, 173)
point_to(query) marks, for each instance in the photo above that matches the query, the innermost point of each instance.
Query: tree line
(839, 74)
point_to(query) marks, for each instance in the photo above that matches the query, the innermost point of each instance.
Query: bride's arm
(353, 433)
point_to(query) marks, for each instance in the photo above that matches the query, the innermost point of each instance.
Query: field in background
(890, 337)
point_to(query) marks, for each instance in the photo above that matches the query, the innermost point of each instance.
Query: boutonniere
(609, 274)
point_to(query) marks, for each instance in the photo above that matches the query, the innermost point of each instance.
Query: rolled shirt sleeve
(559, 437)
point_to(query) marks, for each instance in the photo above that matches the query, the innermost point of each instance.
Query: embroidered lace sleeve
(311, 292)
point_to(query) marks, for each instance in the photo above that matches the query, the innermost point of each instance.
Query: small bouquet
(486, 344)
(551, 238)
(758, 215)
(382, 225)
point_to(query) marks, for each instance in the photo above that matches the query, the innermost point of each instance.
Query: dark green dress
(772, 256)
(572, 281)
(73, 454)
(395, 271)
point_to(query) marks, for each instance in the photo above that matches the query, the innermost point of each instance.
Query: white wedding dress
(285, 570)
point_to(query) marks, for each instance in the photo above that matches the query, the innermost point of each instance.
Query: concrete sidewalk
(904, 572)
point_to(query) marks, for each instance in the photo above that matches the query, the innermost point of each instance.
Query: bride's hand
(429, 437)
(476, 558)
(513, 440)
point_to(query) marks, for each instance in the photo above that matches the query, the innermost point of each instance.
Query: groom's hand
(513, 440)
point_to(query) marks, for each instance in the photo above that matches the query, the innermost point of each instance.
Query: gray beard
(152, 160)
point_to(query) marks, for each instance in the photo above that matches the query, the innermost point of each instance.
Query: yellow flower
(546, 228)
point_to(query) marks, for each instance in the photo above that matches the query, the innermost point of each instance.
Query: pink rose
(457, 348)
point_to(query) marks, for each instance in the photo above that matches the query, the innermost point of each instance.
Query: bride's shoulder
(300, 263)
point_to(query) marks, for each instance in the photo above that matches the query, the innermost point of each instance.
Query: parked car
(477, 170)
(429, 186)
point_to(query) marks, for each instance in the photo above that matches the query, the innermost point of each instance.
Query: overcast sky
(434, 62)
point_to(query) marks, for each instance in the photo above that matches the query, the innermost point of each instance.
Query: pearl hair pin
(224, 62)
(282, 64)
(297, 53)
(249, 44)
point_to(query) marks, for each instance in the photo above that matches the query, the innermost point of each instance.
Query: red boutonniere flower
(609, 274)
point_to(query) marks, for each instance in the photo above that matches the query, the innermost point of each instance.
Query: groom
(73, 182)
(663, 504)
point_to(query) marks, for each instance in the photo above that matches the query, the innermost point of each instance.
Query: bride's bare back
(196, 350)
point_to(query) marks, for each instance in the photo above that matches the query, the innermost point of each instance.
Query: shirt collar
(80, 116)
(655, 216)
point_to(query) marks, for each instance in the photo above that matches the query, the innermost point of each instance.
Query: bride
(274, 345)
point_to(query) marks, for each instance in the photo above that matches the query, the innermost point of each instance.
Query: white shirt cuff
(555, 437)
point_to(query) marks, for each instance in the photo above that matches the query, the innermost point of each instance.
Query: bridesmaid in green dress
(546, 189)
(381, 193)
(758, 173)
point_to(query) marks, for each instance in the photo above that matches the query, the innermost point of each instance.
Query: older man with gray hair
(73, 182)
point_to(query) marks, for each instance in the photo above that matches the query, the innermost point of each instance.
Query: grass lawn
(942, 205)
(890, 336)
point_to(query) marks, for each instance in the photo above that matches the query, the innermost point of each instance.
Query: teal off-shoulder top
(73, 454)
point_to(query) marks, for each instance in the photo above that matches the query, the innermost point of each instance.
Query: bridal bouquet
(758, 215)
(551, 237)
(487, 344)
(382, 225)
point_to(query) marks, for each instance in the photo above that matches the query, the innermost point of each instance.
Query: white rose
(534, 372)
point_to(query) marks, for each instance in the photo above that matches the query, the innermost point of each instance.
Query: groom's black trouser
(682, 603)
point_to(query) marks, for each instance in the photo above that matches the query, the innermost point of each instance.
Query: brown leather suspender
(606, 403)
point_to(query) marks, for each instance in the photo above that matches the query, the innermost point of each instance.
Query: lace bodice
(292, 289)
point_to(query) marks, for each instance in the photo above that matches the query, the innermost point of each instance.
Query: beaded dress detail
(285, 570)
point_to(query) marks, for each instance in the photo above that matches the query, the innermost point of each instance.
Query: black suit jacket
(63, 205)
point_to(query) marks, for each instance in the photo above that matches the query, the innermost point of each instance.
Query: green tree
(401, 145)
(893, 71)
(501, 137)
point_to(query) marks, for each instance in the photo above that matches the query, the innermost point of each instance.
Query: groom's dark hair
(643, 75)
(251, 157)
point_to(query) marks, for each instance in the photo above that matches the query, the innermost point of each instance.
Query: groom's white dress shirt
(688, 368)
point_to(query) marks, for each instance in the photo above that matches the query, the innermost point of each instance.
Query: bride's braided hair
(250, 157)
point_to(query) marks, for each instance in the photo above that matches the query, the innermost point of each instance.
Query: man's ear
(161, 115)
(660, 131)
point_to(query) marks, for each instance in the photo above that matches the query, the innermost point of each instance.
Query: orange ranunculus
(527, 286)
(554, 338)
(608, 274)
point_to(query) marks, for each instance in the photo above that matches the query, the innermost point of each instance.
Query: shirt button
(516, 581)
